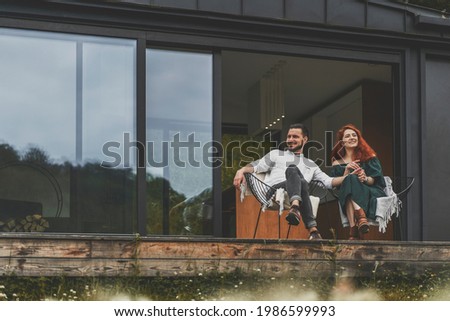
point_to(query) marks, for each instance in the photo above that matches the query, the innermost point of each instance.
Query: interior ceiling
(309, 84)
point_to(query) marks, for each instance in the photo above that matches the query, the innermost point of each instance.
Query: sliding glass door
(179, 134)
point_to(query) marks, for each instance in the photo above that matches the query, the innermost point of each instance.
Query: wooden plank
(146, 268)
(26, 247)
(192, 267)
(148, 248)
(30, 255)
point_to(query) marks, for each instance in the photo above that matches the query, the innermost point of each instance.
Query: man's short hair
(304, 129)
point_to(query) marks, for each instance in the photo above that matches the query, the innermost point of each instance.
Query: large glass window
(324, 94)
(179, 135)
(64, 98)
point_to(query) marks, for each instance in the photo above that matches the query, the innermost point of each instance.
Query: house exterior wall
(436, 176)
(384, 15)
(373, 31)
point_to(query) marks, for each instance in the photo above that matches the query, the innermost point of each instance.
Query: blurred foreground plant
(231, 286)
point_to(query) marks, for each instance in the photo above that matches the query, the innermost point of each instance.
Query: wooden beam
(47, 255)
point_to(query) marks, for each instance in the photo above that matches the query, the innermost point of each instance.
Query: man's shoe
(293, 216)
(315, 235)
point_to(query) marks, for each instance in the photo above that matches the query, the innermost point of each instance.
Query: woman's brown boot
(354, 233)
(361, 221)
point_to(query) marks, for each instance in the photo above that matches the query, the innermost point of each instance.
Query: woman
(354, 159)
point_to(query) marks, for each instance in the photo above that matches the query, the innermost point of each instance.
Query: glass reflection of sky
(38, 92)
(37, 81)
(38, 98)
(179, 100)
(109, 96)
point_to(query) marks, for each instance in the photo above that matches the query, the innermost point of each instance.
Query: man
(292, 171)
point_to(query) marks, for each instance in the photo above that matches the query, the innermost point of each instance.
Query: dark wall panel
(182, 4)
(346, 13)
(436, 151)
(229, 6)
(263, 8)
(385, 18)
(306, 10)
(143, 2)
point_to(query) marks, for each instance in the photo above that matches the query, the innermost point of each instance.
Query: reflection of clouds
(38, 92)
(38, 83)
(179, 85)
(179, 93)
(35, 101)
(191, 178)
(108, 96)
(189, 181)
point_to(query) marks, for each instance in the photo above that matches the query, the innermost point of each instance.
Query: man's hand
(238, 179)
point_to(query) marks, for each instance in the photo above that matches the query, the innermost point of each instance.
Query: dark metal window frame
(348, 51)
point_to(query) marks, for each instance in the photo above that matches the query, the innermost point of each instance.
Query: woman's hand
(362, 175)
(352, 168)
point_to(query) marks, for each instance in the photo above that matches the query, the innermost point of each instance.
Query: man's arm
(352, 166)
(336, 181)
(327, 180)
(260, 166)
(239, 177)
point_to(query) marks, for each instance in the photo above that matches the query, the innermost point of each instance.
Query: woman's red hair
(363, 151)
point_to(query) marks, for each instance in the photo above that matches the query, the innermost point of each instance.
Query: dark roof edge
(423, 16)
(411, 8)
(419, 17)
(422, 20)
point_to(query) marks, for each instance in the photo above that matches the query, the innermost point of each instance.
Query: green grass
(232, 286)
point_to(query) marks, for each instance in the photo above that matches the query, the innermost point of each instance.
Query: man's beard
(295, 149)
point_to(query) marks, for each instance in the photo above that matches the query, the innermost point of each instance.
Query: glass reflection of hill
(90, 198)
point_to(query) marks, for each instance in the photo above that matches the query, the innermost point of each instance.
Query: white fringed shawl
(386, 207)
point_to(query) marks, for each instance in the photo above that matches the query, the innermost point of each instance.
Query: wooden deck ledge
(34, 254)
